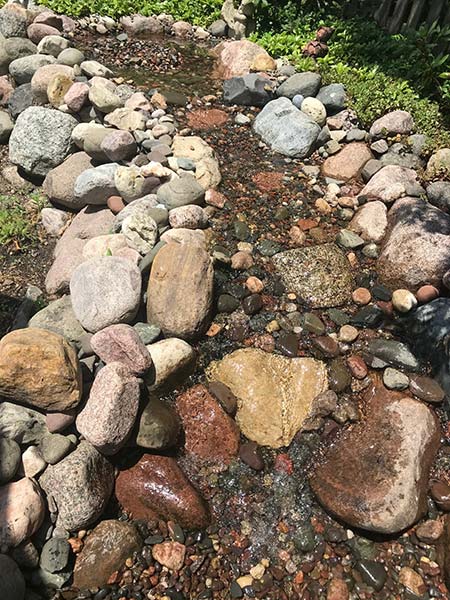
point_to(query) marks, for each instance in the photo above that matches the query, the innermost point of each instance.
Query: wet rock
(249, 90)
(170, 555)
(393, 353)
(39, 368)
(158, 426)
(236, 58)
(20, 519)
(440, 492)
(426, 389)
(373, 573)
(105, 552)
(108, 417)
(397, 121)
(416, 250)
(80, 485)
(370, 221)
(412, 581)
(274, 393)
(156, 487)
(319, 275)
(105, 291)
(395, 380)
(121, 343)
(286, 129)
(385, 489)
(10, 456)
(211, 436)
(173, 360)
(34, 125)
(180, 272)
(12, 583)
(392, 182)
(347, 163)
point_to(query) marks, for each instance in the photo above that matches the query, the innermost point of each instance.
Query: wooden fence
(394, 15)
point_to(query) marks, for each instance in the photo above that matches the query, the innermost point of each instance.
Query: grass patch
(19, 220)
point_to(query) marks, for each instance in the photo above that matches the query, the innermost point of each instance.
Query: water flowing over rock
(274, 393)
(416, 249)
(375, 476)
(156, 487)
(286, 129)
(80, 485)
(40, 369)
(180, 272)
(320, 275)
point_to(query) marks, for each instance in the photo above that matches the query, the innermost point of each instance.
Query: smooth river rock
(39, 368)
(375, 476)
(22, 511)
(274, 393)
(180, 291)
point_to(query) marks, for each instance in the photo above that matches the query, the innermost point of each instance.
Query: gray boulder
(249, 90)
(41, 140)
(306, 84)
(286, 129)
(59, 317)
(6, 126)
(13, 48)
(438, 194)
(105, 291)
(21, 98)
(180, 192)
(13, 23)
(333, 97)
(96, 185)
(23, 69)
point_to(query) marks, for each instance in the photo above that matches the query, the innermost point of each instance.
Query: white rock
(403, 300)
(171, 357)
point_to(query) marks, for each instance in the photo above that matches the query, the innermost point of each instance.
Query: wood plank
(383, 13)
(399, 16)
(416, 14)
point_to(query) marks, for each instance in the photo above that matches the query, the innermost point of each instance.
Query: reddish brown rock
(170, 555)
(440, 492)
(375, 477)
(347, 163)
(212, 436)
(268, 181)
(104, 552)
(357, 366)
(215, 198)
(156, 488)
(121, 343)
(6, 89)
(207, 118)
(427, 293)
(337, 590)
(430, 531)
(115, 204)
(426, 389)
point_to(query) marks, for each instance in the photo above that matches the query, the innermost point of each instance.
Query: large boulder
(156, 488)
(375, 476)
(39, 368)
(105, 551)
(248, 90)
(41, 140)
(23, 69)
(238, 58)
(274, 393)
(80, 485)
(180, 291)
(45, 75)
(286, 129)
(58, 316)
(22, 511)
(105, 291)
(397, 121)
(416, 249)
(320, 275)
(59, 184)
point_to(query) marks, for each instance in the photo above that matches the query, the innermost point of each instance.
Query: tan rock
(207, 170)
(347, 163)
(274, 393)
(412, 581)
(57, 88)
(236, 58)
(39, 368)
(180, 289)
(170, 555)
(21, 511)
(44, 75)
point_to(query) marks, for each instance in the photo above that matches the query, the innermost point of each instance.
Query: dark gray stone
(9, 459)
(249, 90)
(333, 97)
(438, 194)
(21, 99)
(306, 84)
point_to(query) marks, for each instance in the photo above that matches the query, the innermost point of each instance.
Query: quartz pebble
(403, 300)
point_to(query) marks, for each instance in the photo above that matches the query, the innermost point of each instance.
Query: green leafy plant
(19, 218)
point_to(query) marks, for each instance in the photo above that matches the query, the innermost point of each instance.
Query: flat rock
(274, 393)
(347, 163)
(108, 417)
(39, 368)
(80, 485)
(392, 182)
(211, 436)
(385, 489)
(105, 291)
(286, 129)
(156, 487)
(370, 221)
(121, 343)
(34, 125)
(20, 519)
(321, 275)
(180, 290)
(105, 552)
(416, 250)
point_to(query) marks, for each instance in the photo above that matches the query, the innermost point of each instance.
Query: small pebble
(361, 296)
(403, 300)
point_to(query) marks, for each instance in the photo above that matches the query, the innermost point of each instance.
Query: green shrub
(19, 219)
(198, 12)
